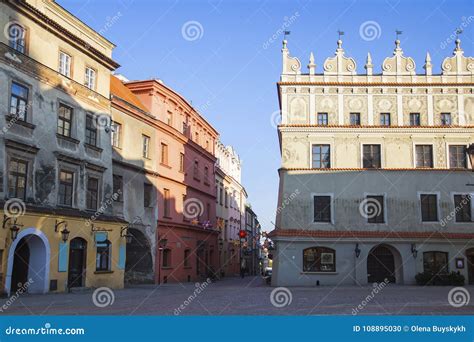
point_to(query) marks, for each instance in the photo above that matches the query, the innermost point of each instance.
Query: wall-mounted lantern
(65, 232)
(357, 250)
(414, 251)
(14, 226)
(124, 233)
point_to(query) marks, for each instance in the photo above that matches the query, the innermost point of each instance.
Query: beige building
(374, 179)
(55, 153)
(230, 207)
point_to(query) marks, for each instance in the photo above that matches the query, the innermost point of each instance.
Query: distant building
(252, 248)
(230, 208)
(60, 231)
(374, 177)
(182, 144)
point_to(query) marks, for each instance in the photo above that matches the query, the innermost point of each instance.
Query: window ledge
(15, 120)
(187, 267)
(103, 272)
(166, 267)
(165, 165)
(70, 139)
(330, 273)
(92, 147)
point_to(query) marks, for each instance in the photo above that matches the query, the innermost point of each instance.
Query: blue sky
(229, 69)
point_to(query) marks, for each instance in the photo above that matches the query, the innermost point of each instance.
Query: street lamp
(357, 250)
(65, 234)
(14, 228)
(14, 231)
(414, 251)
(161, 246)
(124, 233)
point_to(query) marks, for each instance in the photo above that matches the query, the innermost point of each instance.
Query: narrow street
(248, 296)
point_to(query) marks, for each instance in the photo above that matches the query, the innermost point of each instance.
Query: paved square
(249, 296)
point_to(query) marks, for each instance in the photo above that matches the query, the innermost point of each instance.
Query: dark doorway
(139, 262)
(470, 265)
(77, 262)
(21, 263)
(381, 265)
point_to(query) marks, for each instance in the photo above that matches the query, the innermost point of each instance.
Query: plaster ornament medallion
(355, 104)
(414, 104)
(385, 105)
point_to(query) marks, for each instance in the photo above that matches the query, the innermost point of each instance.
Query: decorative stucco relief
(328, 104)
(355, 104)
(445, 104)
(385, 104)
(415, 104)
(469, 110)
(298, 110)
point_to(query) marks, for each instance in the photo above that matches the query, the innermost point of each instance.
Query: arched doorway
(382, 263)
(139, 261)
(470, 265)
(77, 262)
(28, 261)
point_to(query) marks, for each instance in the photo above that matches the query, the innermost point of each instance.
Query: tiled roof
(117, 88)
(367, 234)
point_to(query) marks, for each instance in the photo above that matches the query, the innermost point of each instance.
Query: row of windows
(323, 259)
(371, 156)
(18, 178)
(385, 119)
(118, 191)
(19, 42)
(375, 212)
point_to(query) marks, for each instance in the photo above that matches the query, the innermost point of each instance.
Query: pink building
(184, 144)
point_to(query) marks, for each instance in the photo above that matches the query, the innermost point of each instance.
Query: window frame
(91, 132)
(438, 211)
(166, 203)
(415, 154)
(106, 252)
(443, 115)
(325, 122)
(68, 72)
(164, 153)
(466, 158)
(331, 208)
(167, 258)
(471, 208)
(17, 175)
(358, 116)
(19, 98)
(383, 121)
(384, 206)
(414, 114)
(145, 146)
(440, 271)
(92, 194)
(66, 185)
(319, 251)
(116, 134)
(60, 130)
(87, 78)
(117, 188)
(363, 156)
(13, 43)
(147, 195)
(321, 155)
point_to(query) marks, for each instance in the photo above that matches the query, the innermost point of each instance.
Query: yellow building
(55, 153)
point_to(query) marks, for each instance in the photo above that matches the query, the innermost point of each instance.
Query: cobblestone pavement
(249, 296)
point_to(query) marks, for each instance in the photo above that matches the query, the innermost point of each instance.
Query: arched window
(319, 259)
(103, 257)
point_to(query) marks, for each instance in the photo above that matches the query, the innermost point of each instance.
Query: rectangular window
(323, 119)
(429, 208)
(166, 258)
(116, 134)
(66, 183)
(206, 175)
(17, 177)
(196, 170)
(169, 119)
(462, 208)
(147, 194)
(457, 157)
(89, 78)
(146, 146)
(435, 262)
(166, 203)
(64, 64)
(118, 188)
(319, 259)
(92, 193)
(424, 156)
(371, 157)
(415, 119)
(322, 208)
(17, 37)
(355, 119)
(185, 128)
(103, 256)
(19, 101)
(65, 120)
(164, 154)
(181, 162)
(384, 119)
(321, 156)
(187, 258)
(445, 119)
(91, 130)
(374, 209)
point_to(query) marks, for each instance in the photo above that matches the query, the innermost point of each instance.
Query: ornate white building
(230, 207)
(374, 179)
